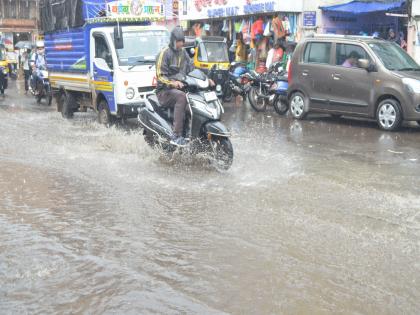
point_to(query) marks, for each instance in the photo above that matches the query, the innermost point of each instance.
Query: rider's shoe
(178, 141)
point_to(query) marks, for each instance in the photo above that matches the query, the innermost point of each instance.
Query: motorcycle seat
(165, 112)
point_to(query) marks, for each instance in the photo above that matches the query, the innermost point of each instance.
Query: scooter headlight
(129, 93)
(218, 88)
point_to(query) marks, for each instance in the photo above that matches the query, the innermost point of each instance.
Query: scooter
(270, 88)
(203, 129)
(43, 87)
(3, 79)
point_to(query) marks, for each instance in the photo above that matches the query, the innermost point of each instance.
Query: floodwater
(315, 217)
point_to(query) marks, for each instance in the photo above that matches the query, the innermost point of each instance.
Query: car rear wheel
(388, 115)
(298, 105)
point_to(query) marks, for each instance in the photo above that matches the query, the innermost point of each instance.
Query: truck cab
(124, 76)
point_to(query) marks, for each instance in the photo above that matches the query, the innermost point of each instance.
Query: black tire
(68, 104)
(389, 115)
(150, 138)
(223, 154)
(258, 104)
(39, 98)
(59, 101)
(228, 94)
(49, 100)
(104, 115)
(298, 105)
(280, 106)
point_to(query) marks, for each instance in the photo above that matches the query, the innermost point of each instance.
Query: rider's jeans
(176, 99)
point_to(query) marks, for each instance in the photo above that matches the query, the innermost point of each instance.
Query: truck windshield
(141, 47)
(393, 57)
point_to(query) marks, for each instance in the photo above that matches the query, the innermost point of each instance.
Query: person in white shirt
(26, 69)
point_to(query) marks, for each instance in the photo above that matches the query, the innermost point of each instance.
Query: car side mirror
(192, 51)
(101, 64)
(367, 65)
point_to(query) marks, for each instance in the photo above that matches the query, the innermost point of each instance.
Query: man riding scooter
(38, 63)
(168, 89)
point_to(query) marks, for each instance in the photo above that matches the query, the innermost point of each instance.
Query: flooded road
(315, 217)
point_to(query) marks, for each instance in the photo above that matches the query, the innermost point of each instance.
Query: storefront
(255, 22)
(364, 18)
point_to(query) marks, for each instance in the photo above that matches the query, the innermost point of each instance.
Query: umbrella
(24, 44)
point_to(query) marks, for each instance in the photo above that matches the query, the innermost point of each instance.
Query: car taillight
(289, 73)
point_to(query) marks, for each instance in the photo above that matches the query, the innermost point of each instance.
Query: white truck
(108, 63)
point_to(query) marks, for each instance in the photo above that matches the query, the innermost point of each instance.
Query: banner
(207, 9)
(135, 8)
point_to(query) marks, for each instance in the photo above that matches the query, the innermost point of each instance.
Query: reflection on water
(315, 217)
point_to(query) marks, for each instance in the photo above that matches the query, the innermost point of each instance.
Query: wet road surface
(315, 217)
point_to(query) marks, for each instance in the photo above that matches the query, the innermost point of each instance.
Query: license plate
(210, 96)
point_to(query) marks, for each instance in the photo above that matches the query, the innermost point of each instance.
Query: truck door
(102, 71)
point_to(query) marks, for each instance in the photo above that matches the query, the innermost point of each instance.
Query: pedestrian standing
(275, 54)
(26, 69)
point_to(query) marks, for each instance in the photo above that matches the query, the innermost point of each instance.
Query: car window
(347, 55)
(394, 57)
(317, 53)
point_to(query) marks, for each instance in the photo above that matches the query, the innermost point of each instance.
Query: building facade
(18, 21)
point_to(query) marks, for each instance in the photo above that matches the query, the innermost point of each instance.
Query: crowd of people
(31, 61)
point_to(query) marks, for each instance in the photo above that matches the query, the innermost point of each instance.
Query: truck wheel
(68, 103)
(104, 115)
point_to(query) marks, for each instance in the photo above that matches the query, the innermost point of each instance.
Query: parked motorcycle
(43, 87)
(239, 80)
(3, 79)
(269, 88)
(203, 128)
(220, 78)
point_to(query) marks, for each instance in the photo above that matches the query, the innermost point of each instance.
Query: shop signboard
(135, 8)
(309, 18)
(7, 40)
(207, 9)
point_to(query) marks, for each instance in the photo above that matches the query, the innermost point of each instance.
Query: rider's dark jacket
(168, 57)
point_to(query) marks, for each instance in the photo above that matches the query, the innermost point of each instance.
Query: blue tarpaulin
(358, 7)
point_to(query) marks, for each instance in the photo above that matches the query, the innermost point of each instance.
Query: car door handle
(336, 77)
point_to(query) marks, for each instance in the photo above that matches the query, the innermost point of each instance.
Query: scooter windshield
(197, 74)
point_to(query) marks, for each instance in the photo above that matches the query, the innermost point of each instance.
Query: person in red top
(258, 28)
(275, 54)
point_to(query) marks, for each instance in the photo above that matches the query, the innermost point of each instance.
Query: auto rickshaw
(210, 51)
(210, 54)
(4, 69)
(12, 64)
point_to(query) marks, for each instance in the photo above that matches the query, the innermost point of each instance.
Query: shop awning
(358, 7)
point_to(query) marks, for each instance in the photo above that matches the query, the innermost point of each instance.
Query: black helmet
(177, 35)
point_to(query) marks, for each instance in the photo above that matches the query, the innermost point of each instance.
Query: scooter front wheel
(222, 153)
